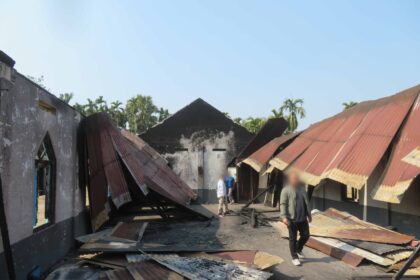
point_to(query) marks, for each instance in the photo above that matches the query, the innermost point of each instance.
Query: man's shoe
(301, 255)
(296, 262)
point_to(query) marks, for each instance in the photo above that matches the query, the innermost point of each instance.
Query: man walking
(230, 183)
(295, 212)
(221, 196)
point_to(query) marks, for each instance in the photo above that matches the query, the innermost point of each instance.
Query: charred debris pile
(354, 241)
(143, 224)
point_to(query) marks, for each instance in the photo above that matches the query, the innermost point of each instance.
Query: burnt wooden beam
(258, 196)
(407, 264)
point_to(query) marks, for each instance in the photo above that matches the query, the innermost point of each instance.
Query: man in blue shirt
(230, 183)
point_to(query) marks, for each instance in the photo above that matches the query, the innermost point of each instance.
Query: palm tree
(276, 113)
(66, 97)
(349, 104)
(163, 114)
(294, 109)
(141, 113)
(117, 113)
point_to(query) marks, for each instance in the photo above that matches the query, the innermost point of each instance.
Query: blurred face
(293, 179)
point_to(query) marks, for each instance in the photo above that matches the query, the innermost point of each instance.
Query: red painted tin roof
(399, 174)
(348, 146)
(259, 158)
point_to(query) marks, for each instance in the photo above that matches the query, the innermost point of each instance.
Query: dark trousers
(295, 245)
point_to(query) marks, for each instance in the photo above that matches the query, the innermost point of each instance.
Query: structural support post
(365, 202)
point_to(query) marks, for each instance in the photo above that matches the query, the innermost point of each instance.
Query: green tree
(66, 97)
(253, 125)
(117, 113)
(292, 110)
(80, 108)
(349, 104)
(141, 113)
(238, 120)
(163, 114)
(276, 113)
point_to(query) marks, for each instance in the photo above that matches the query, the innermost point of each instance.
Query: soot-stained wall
(24, 124)
(198, 141)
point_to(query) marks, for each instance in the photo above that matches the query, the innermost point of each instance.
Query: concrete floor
(234, 234)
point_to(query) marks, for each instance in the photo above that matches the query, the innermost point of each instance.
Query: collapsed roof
(348, 146)
(124, 167)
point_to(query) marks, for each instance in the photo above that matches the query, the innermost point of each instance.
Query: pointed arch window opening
(44, 185)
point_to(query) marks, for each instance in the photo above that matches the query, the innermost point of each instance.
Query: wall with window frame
(28, 112)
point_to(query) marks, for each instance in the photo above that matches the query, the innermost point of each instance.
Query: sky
(243, 57)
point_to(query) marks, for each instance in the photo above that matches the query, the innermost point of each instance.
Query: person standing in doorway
(295, 213)
(230, 183)
(222, 197)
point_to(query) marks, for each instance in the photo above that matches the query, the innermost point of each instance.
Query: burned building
(42, 197)
(198, 142)
(250, 180)
(257, 174)
(359, 160)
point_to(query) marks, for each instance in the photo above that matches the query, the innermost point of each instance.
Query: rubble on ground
(351, 240)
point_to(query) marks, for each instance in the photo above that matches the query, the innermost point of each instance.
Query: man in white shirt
(222, 197)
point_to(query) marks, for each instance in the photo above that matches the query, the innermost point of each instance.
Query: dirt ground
(231, 232)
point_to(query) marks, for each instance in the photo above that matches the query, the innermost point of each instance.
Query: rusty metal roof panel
(399, 174)
(290, 153)
(109, 150)
(347, 147)
(341, 225)
(105, 172)
(158, 171)
(259, 158)
(347, 257)
(272, 128)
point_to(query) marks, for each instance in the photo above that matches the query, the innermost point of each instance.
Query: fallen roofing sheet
(374, 247)
(340, 235)
(110, 154)
(342, 225)
(345, 256)
(348, 146)
(198, 268)
(398, 174)
(260, 157)
(335, 243)
(147, 270)
(129, 231)
(272, 128)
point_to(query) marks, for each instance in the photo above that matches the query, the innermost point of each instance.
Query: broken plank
(360, 252)
(347, 257)
(129, 231)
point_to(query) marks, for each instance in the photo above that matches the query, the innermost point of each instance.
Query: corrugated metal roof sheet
(272, 128)
(348, 146)
(399, 174)
(109, 149)
(341, 225)
(259, 158)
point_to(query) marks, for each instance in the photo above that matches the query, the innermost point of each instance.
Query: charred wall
(198, 142)
(29, 113)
